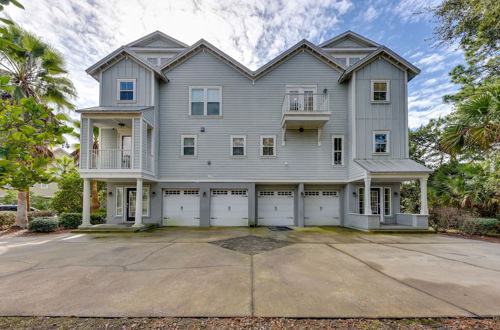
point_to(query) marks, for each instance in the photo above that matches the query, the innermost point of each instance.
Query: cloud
(370, 14)
(413, 11)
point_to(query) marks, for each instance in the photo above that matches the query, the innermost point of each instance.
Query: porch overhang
(114, 109)
(394, 168)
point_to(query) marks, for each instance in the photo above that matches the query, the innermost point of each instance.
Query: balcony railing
(110, 159)
(305, 102)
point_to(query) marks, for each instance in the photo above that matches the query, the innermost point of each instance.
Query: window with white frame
(380, 91)
(387, 201)
(268, 146)
(145, 201)
(119, 201)
(337, 150)
(126, 90)
(205, 101)
(188, 145)
(361, 200)
(44, 186)
(238, 145)
(381, 142)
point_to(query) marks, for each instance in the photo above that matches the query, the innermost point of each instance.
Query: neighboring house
(317, 136)
(46, 190)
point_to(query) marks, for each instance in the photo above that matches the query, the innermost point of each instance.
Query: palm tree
(35, 69)
(475, 126)
(95, 205)
(63, 165)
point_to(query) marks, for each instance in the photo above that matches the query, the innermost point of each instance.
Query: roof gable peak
(157, 35)
(349, 35)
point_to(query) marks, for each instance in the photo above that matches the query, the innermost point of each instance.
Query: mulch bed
(490, 239)
(244, 323)
(18, 232)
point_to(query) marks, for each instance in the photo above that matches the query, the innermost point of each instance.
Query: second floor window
(268, 146)
(381, 142)
(188, 145)
(238, 145)
(205, 101)
(337, 150)
(380, 91)
(126, 89)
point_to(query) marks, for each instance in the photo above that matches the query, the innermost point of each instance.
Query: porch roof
(122, 109)
(392, 166)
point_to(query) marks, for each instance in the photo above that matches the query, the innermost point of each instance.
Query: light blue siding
(136, 122)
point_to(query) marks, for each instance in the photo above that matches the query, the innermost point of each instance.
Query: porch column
(138, 204)
(86, 203)
(368, 204)
(423, 196)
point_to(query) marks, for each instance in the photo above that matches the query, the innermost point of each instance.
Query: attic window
(126, 89)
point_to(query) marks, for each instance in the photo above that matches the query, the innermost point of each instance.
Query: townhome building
(189, 136)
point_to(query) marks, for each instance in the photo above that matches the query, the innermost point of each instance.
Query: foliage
(444, 218)
(10, 198)
(38, 214)
(63, 165)
(70, 220)
(35, 69)
(43, 225)
(474, 25)
(424, 144)
(7, 219)
(410, 197)
(98, 218)
(478, 226)
(39, 202)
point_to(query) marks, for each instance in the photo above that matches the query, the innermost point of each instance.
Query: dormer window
(126, 90)
(380, 91)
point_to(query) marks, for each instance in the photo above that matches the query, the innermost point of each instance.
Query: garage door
(275, 208)
(229, 207)
(321, 208)
(181, 207)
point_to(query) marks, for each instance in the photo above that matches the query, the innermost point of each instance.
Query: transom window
(380, 90)
(238, 145)
(205, 101)
(381, 142)
(188, 145)
(268, 146)
(126, 90)
(337, 150)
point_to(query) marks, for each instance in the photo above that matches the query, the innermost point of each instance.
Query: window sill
(268, 157)
(380, 102)
(381, 153)
(188, 157)
(207, 116)
(338, 166)
(126, 101)
(238, 157)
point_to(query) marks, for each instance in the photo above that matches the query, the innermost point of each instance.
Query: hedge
(479, 226)
(8, 218)
(70, 220)
(43, 225)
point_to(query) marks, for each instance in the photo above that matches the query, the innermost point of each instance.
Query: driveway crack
(402, 282)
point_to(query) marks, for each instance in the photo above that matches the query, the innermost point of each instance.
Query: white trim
(262, 137)
(342, 150)
(118, 90)
(195, 146)
(205, 100)
(152, 89)
(388, 143)
(116, 201)
(141, 143)
(390, 201)
(407, 143)
(382, 189)
(353, 119)
(388, 90)
(244, 146)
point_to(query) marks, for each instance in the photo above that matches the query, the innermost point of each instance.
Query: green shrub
(97, 218)
(444, 218)
(70, 220)
(478, 226)
(43, 225)
(7, 219)
(40, 214)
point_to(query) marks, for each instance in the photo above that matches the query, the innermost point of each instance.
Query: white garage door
(181, 207)
(229, 207)
(321, 208)
(275, 208)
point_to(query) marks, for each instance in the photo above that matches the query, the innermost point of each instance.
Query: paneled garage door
(181, 207)
(229, 207)
(321, 208)
(275, 208)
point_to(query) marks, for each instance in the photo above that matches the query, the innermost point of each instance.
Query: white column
(138, 204)
(368, 204)
(86, 203)
(423, 196)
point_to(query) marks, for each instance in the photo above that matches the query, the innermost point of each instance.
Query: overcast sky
(251, 31)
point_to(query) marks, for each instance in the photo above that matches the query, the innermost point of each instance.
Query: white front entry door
(321, 208)
(181, 207)
(275, 208)
(229, 207)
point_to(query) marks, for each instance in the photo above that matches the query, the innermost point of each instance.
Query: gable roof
(350, 35)
(157, 34)
(386, 53)
(302, 45)
(118, 54)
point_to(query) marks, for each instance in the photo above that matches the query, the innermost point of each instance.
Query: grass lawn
(244, 323)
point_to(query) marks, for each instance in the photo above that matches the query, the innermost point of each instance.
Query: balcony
(305, 111)
(118, 159)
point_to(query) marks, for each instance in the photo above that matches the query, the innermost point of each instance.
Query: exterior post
(138, 204)
(423, 196)
(368, 204)
(300, 206)
(86, 203)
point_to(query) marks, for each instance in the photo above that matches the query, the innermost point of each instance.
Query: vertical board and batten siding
(126, 69)
(136, 123)
(144, 149)
(84, 142)
(346, 43)
(380, 116)
(251, 110)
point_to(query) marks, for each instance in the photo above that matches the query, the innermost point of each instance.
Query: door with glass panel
(126, 151)
(131, 202)
(301, 99)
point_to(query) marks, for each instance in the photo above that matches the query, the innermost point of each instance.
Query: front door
(131, 199)
(126, 151)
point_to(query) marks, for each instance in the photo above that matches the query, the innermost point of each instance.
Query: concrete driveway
(249, 272)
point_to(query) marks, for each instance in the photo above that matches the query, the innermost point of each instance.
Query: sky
(251, 31)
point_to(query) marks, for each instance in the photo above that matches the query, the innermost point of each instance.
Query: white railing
(110, 159)
(305, 102)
